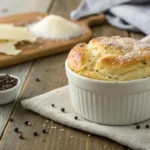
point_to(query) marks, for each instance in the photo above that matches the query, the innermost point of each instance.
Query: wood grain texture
(51, 73)
(45, 47)
(19, 70)
(9, 7)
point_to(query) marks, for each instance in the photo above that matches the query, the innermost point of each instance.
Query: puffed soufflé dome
(111, 58)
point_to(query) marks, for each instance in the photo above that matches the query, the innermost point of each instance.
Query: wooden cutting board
(41, 47)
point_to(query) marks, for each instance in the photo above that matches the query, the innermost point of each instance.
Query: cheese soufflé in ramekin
(109, 80)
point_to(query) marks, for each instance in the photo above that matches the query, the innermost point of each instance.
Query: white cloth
(126, 135)
(125, 14)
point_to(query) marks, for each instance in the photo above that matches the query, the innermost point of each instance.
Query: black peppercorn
(11, 119)
(63, 109)
(138, 126)
(53, 105)
(37, 79)
(26, 122)
(147, 126)
(44, 131)
(21, 136)
(16, 130)
(76, 117)
(35, 133)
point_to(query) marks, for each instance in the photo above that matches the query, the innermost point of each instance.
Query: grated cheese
(56, 28)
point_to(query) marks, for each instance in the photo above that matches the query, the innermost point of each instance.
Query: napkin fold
(126, 135)
(125, 14)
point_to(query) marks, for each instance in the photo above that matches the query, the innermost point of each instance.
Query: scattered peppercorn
(147, 126)
(144, 63)
(109, 76)
(44, 131)
(96, 70)
(26, 122)
(75, 117)
(11, 119)
(63, 109)
(37, 79)
(16, 130)
(53, 105)
(35, 133)
(138, 126)
(21, 136)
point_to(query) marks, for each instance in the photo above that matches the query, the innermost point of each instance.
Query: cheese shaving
(11, 32)
(9, 48)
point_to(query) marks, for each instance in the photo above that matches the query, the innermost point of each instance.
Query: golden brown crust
(111, 58)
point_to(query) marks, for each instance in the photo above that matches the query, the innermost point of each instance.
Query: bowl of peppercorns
(9, 85)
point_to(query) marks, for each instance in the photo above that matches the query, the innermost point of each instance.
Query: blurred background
(9, 7)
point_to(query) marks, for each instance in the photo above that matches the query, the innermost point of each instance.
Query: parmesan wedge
(9, 48)
(11, 32)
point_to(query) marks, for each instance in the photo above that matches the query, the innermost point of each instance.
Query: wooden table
(51, 72)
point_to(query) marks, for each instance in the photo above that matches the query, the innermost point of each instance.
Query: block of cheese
(9, 48)
(15, 33)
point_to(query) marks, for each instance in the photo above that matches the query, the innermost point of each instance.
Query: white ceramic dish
(9, 95)
(110, 103)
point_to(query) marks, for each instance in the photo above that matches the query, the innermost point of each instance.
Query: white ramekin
(9, 95)
(110, 103)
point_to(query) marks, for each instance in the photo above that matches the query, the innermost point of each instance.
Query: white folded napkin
(126, 135)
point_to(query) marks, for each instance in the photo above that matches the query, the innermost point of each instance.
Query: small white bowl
(9, 95)
(110, 103)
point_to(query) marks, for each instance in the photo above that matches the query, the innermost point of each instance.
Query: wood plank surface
(51, 73)
(19, 70)
(10, 7)
(45, 47)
